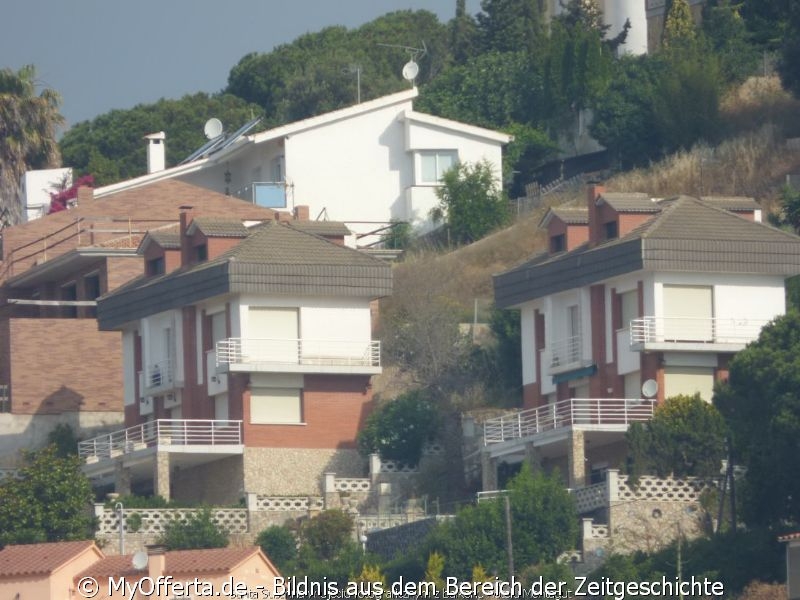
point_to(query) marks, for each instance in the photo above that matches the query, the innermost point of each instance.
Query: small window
(433, 165)
(611, 230)
(69, 293)
(202, 253)
(156, 266)
(558, 243)
(91, 285)
(276, 406)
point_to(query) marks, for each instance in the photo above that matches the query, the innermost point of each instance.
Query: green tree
(685, 437)
(28, 128)
(399, 428)
(196, 531)
(679, 28)
(789, 64)
(761, 402)
(511, 25)
(49, 501)
(279, 544)
(327, 535)
(463, 34)
(63, 438)
(727, 35)
(470, 202)
(544, 524)
(110, 146)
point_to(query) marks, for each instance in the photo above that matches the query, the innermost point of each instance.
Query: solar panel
(220, 142)
(239, 133)
(207, 147)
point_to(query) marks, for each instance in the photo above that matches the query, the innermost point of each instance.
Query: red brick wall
(630, 221)
(334, 409)
(575, 235)
(62, 365)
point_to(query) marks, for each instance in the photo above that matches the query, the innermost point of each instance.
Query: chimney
(186, 217)
(156, 560)
(85, 195)
(301, 213)
(593, 192)
(156, 155)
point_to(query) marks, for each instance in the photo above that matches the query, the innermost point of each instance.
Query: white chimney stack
(156, 155)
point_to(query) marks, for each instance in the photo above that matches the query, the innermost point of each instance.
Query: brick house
(636, 300)
(247, 366)
(55, 366)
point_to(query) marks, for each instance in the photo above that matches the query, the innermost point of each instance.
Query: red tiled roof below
(39, 559)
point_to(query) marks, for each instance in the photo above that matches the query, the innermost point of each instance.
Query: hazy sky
(104, 54)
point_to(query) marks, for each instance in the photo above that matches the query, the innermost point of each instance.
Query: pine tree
(679, 26)
(463, 32)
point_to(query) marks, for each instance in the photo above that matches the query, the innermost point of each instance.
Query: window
(91, 285)
(156, 266)
(275, 406)
(69, 293)
(611, 230)
(558, 243)
(629, 303)
(434, 164)
(201, 253)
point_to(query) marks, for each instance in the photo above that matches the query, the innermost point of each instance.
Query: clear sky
(105, 54)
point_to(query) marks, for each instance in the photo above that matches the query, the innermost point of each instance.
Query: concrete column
(374, 467)
(586, 532)
(252, 501)
(122, 480)
(384, 498)
(488, 472)
(576, 459)
(330, 497)
(161, 483)
(612, 485)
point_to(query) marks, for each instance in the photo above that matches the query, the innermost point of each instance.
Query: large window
(433, 164)
(275, 405)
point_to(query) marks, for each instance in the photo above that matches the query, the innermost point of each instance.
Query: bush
(328, 534)
(279, 544)
(399, 428)
(196, 532)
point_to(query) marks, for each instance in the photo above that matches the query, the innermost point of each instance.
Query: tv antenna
(411, 68)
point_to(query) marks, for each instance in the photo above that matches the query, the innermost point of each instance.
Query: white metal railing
(695, 329)
(159, 374)
(576, 411)
(566, 351)
(175, 432)
(299, 352)
(5, 400)
(488, 495)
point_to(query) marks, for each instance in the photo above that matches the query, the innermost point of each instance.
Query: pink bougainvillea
(60, 200)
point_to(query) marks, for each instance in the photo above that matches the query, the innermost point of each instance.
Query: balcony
(601, 414)
(173, 435)
(5, 400)
(158, 377)
(299, 356)
(565, 355)
(269, 194)
(693, 334)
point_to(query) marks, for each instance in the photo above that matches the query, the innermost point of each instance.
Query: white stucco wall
(36, 186)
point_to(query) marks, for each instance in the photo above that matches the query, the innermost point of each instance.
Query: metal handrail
(160, 373)
(575, 411)
(180, 432)
(565, 351)
(707, 330)
(299, 352)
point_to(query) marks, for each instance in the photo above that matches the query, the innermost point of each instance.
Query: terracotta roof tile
(219, 227)
(321, 228)
(39, 559)
(629, 202)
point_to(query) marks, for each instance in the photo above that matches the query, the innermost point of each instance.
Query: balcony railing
(695, 330)
(565, 352)
(5, 400)
(160, 374)
(270, 194)
(163, 432)
(299, 352)
(576, 411)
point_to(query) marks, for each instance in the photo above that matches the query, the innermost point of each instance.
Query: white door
(273, 335)
(688, 313)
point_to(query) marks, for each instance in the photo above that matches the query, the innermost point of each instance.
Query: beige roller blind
(688, 312)
(689, 381)
(275, 405)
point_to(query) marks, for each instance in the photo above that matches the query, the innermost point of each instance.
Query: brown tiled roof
(629, 202)
(126, 241)
(789, 537)
(39, 559)
(168, 236)
(572, 215)
(219, 227)
(177, 562)
(274, 259)
(322, 228)
(734, 203)
(687, 235)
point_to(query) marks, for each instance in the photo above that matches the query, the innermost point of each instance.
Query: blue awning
(575, 374)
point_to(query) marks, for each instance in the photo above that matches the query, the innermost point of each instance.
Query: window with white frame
(276, 406)
(434, 163)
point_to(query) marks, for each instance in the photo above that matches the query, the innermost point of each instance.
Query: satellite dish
(410, 71)
(649, 388)
(213, 128)
(139, 560)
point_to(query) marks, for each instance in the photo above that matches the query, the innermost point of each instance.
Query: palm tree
(28, 126)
